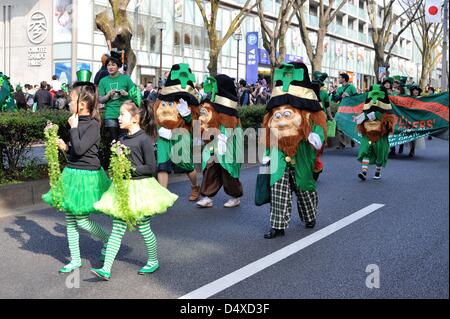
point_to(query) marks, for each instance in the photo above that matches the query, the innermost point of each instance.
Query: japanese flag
(433, 11)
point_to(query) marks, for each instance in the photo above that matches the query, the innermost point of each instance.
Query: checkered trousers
(281, 201)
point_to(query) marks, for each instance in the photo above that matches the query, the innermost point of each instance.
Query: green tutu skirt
(81, 189)
(146, 197)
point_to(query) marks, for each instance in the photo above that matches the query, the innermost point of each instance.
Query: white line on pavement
(265, 262)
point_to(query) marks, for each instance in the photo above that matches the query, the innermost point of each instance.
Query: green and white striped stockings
(73, 236)
(115, 240)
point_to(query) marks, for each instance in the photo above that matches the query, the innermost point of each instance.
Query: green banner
(415, 117)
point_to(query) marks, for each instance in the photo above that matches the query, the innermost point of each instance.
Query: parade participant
(83, 181)
(175, 109)
(375, 124)
(221, 157)
(345, 90)
(134, 200)
(297, 125)
(387, 84)
(114, 90)
(319, 79)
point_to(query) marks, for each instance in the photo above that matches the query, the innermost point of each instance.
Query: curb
(26, 197)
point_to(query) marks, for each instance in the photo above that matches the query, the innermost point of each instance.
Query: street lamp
(238, 37)
(160, 25)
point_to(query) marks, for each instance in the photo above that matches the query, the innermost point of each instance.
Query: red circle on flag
(433, 10)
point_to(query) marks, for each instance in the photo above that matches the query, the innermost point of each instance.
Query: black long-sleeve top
(142, 155)
(84, 144)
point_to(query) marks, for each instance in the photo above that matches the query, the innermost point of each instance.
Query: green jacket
(324, 99)
(303, 162)
(234, 155)
(348, 88)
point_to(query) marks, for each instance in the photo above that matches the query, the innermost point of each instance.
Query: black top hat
(180, 85)
(224, 97)
(293, 87)
(415, 87)
(378, 100)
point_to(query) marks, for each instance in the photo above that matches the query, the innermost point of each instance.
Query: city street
(405, 237)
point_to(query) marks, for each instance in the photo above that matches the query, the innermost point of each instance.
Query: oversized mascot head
(377, 101)
(179, 85)
(293, 108)
(221, 106)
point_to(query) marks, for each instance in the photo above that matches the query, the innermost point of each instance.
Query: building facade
(40, 38)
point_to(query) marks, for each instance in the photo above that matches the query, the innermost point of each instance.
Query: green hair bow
(376, 93)
(210, 86)
(288, 73)
(183, 75)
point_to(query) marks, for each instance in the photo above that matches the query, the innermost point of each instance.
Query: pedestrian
(294, 118)
(375, 124)
(220, 157)
(175, 110)
(145, 197)
(43, 98)
(319, 79)
(388, 83)
(29, 96)
(430, 90)
(345, 90)
(20, 98)
(55, 83)
(83, 180)
(244, 93)
(61, 101)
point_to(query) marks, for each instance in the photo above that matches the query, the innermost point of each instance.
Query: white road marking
(237, 276)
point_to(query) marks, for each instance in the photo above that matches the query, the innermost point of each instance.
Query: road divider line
(239, 275)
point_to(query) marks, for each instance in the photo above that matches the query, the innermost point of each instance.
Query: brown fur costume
(387, 127)
(289, 145)
(171, 124)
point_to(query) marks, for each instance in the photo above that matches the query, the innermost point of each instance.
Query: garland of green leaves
(120, 168)
(54, 169)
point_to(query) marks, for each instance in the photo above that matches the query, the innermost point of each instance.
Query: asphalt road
(407, 239)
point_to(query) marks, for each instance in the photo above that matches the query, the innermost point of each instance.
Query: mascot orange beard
(289, 126)
(211, 119)
(374, 130)
(167, 115)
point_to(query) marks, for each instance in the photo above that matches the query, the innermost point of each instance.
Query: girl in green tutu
(135, 195)
(83, 181)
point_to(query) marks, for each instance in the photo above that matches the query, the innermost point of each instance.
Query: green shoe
(101, 273)
(147, 269)
(70, 267)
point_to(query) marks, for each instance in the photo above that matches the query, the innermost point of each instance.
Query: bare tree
(430, 37)
(326, 16)
(381, 35)
(274, 38)
(215, 42)
(118, 31)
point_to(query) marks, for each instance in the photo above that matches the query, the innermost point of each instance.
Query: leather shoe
(310, 224)
(274, 233)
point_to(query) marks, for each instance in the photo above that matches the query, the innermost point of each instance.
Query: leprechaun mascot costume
(223, 155)
(176, 107)
(295, 131)
(375, 124)
(6, 94)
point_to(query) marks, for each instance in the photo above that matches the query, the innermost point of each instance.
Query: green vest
(178, 150)
(303, 162)
(234, 155)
